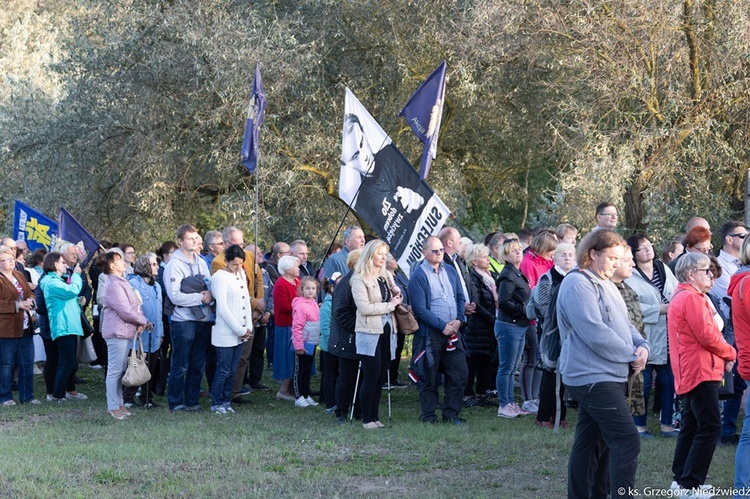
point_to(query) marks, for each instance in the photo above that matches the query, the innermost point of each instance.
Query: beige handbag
(137, 372)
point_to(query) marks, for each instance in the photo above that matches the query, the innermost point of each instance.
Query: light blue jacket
(63, 311)
(152, 309)
(325, 322)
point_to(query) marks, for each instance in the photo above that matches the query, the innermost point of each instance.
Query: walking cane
(356, 385)
(389, 396)
(148, 363)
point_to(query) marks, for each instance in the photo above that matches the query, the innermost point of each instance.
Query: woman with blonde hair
(376, 297)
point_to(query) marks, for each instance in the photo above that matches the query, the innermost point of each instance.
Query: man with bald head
(300, 251)
(438, 302)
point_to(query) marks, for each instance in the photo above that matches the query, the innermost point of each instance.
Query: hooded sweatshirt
(305, 322)
(178, 268)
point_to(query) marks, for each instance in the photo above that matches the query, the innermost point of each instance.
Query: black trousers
(330, 376)
(164, 358)
(50, 367)
(396, 362)
(453, 366)
(547, 400)
(255, 362)
(345, 384)
(374, 374)
(700, 431)
(480, 371)
(302, 372)
(604, 457)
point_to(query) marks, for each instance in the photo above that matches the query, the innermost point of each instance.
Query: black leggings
(50, 367)
(331, 373)
(547, 402)
(374, 374)
(345, 384)
(302, 372)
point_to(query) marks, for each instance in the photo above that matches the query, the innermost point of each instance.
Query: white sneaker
(520, 411)
(530, 406)
(77, 396)
(218, 409)
(301, 402)
(507, 411)
(311, 402)
(9, 402)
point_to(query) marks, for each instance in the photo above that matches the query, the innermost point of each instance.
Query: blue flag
(39, 231)
(71, 231)
(255, 113)
(423, 112)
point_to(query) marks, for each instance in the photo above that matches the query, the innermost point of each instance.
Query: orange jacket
(697, 349)
(741, 319)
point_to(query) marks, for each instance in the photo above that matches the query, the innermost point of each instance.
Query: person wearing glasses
(213, 246)
(654, 284)
(129, 255)
(699, 357)
(606, 216)
(438, 301)
(733, 235)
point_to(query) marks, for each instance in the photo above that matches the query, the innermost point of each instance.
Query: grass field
(272, 449)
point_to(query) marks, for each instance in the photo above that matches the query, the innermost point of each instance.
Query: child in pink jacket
(305, 337)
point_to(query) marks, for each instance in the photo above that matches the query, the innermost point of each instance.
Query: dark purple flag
(70, 230)
(423, 112)
(255, 113)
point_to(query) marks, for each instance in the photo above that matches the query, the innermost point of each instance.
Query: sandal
(118, 414)
(370, 426)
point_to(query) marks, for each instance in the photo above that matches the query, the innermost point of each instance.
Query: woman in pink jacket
(699, 357)
(122, 320)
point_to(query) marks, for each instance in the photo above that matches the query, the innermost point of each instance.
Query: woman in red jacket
(739, 290)
(699, 357)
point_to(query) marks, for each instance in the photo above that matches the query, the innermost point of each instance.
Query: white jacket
(234, 314)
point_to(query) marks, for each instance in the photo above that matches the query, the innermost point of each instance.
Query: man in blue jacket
(437, 301)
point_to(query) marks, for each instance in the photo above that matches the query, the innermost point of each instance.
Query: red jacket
(741, 320)
(534, 266)
(697, 349)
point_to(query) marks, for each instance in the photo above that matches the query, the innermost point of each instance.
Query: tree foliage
(131, 112)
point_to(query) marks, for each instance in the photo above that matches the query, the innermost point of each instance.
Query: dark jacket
(513, 293)
(343, 318)
(479, 335)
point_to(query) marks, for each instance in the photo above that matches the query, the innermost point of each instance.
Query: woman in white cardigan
(654, 283)
(376, 297)
(234, 326)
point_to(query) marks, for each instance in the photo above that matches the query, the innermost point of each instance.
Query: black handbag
(726, 387)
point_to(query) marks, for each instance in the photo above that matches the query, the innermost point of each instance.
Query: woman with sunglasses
(699, 357)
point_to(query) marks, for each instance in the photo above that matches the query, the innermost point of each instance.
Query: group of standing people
(623, 316)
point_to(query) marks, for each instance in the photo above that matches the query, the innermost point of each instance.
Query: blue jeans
(8, 351)
(742, 457)
(189, 345)
(731, 406)
(227, 359)
(66, 363)
(665, 378)
(510, 342)
(25, 363)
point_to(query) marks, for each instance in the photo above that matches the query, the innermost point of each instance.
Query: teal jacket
(63, 310)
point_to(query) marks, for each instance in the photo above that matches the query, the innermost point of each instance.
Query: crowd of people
(629, 324)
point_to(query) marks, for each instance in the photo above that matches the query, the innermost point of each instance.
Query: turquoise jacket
(325, 322)
(63, 311)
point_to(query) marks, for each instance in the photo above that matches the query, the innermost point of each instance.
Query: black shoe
(730, 440)
(456, 420)
(340, 420)
(241, 401)
(429, 421)
(193, 408)
(259, 386)
(485, 402)
(471, 402)
(246, 390)
(151, 405)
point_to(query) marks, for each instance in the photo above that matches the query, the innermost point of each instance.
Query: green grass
(272, 449)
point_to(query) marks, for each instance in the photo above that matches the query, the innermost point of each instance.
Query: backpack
(550, 343)
(533, 312)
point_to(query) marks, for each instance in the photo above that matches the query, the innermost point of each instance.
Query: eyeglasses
(705, 251)
(708, 271)
(741, 236)
(645, 246)
(613, 215)
(437, 251)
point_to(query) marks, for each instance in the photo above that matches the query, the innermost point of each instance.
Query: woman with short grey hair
(284, 291)
(699, 356)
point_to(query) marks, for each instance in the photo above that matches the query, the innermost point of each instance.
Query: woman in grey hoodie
(599, 348)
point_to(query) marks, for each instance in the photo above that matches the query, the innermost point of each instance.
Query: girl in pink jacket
(305, 337)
